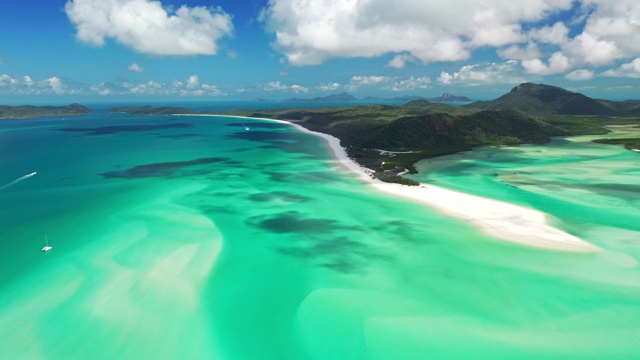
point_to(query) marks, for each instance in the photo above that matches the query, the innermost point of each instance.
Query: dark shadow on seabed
(108, 130)
(164, 169)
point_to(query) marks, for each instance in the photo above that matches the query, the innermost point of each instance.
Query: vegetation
(30, 111)
(390, 139)
(629, 143)
(539, 99)
(587, 125)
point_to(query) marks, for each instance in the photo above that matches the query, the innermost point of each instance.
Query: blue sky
(180, 50)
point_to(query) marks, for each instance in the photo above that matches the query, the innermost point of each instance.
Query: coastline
(499, 219)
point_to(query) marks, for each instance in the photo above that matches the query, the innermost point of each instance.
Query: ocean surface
(184, 237)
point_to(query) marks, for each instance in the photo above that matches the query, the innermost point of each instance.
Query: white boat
(47, 247)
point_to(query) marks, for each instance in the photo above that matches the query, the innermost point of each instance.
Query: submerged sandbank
(499, 219)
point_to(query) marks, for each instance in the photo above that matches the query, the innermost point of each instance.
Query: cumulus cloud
(601, 32)
(412, 83)
(478, 74)
(6, 80)
(515, 52)
(556, 34)
(309, 32)
(100, 88)
(580, 75)
(56, 85)
(630, 70)
(192, 87)
(148, 27)
(299, 89)
(25, 85)
(278, 86)
(558, 62)
(328, 87)
(400, 61)
(136, 68)
(357, 82)
(275, 86)
(193, 82)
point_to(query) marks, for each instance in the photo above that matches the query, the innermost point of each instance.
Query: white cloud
(412, 83)
(192, 87)
(556, 34)
(299, 89)
(101, 89)
(148, 88)
(136, 68)
(328, 87)
(601, 32)
(56, 85)
(630, 70)
(400, 61)
(357, 82)
(211, 90)
(515, 52)
(193, 82)
(25, 85)
(6, 80)
(275, 86)
(478, 74)
(309, 32)
(558, 62)
(278, 86)
(580, 75)
(147, 26)
(27, 80)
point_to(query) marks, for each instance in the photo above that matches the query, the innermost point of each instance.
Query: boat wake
(18, 180)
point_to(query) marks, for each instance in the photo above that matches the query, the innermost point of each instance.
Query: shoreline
(499, 219)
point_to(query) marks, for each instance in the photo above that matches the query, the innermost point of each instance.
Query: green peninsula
(30, 111)
(390, 139)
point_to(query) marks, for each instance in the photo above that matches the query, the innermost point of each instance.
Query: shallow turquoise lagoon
(211, 237)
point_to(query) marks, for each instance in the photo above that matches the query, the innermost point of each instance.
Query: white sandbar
(497, 218)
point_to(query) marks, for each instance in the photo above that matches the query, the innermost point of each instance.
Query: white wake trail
(18, 180)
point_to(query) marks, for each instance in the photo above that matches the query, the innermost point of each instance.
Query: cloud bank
(536, 33)
(148, 27)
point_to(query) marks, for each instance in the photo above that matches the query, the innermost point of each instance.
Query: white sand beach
(499, 219)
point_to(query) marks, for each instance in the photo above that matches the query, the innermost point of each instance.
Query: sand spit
(499, 219)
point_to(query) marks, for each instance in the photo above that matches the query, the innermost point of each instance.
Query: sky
(57, 51)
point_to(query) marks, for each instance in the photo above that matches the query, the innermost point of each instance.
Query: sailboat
(47, 247)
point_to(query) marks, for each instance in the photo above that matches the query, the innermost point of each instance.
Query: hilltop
(30, 111)
(540, 99)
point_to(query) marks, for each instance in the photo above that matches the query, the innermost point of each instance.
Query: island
(388, 140)
(31, 111)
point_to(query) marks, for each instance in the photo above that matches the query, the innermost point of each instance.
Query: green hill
(30, 111)
(489, 127)
(540, 99)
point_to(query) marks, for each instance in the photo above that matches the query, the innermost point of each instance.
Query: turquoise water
(191, 237)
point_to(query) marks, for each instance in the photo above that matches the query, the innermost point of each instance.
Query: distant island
(345, 97)
(390, 139)
(30, 111)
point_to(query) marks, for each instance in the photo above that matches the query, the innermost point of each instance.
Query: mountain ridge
(541, 99)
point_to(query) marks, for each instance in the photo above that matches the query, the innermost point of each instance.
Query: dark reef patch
(107, 130)
(165, 169)
(296, 222)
